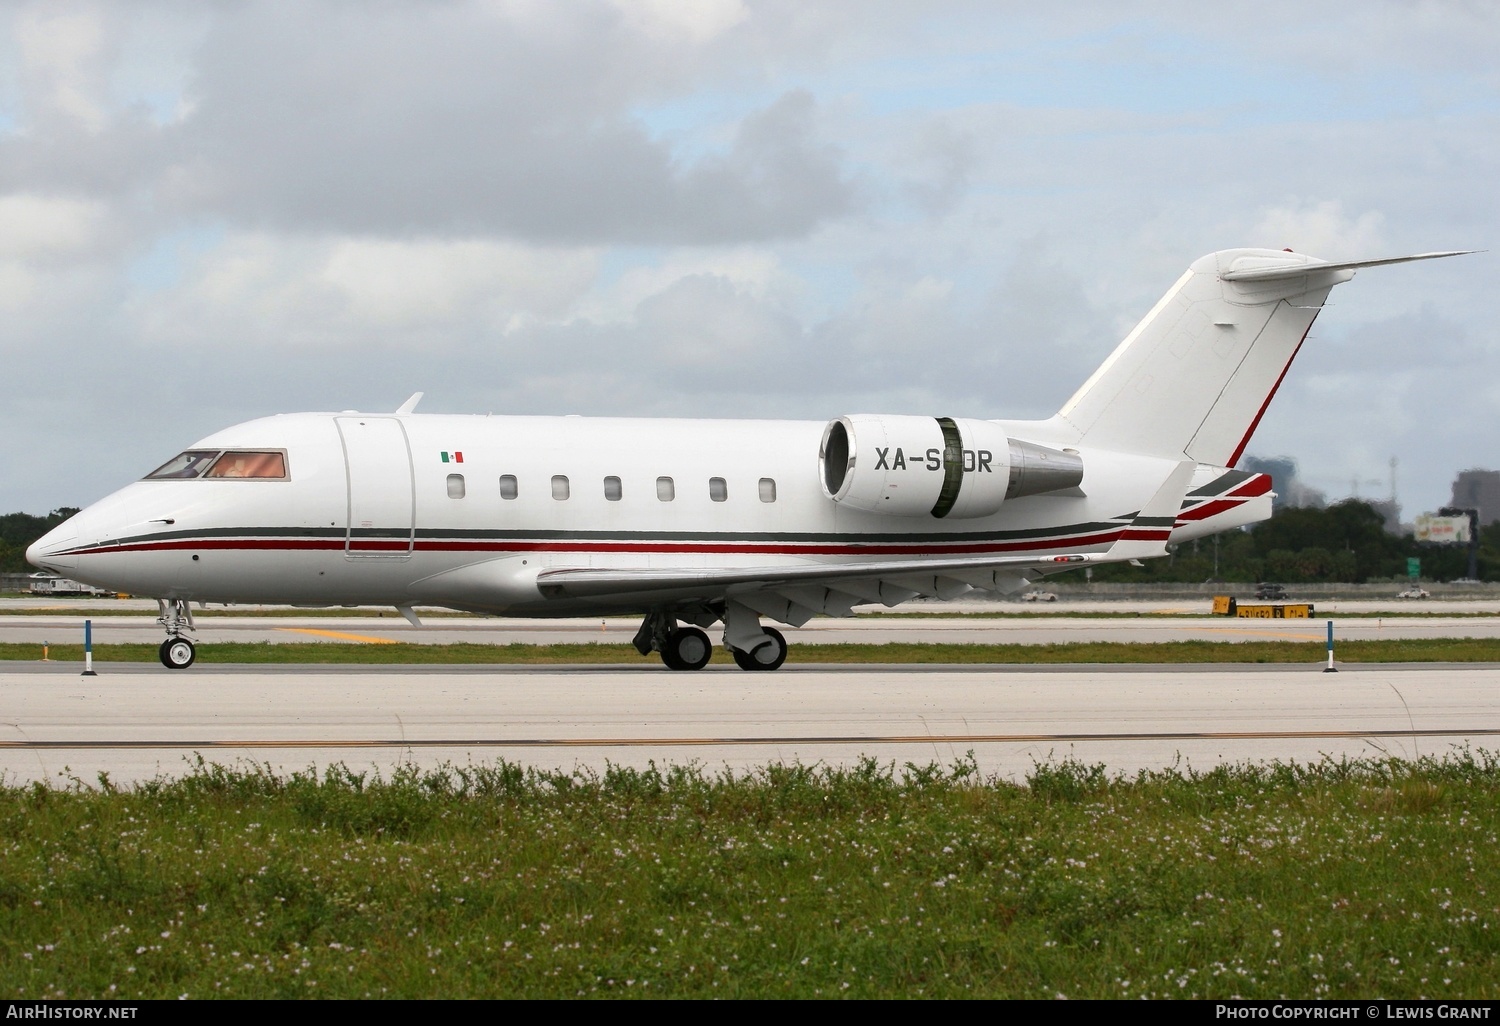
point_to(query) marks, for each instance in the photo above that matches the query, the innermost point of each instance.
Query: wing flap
(859, 579)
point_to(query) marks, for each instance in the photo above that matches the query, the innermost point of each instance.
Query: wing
(794, 594)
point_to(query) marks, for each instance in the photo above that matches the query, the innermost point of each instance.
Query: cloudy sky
(215, 211)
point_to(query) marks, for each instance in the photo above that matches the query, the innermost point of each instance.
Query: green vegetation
(18, 530)
(1344, 543)
(1341, 880)
(1408, 650)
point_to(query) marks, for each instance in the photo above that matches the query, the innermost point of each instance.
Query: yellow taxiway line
(341, 636)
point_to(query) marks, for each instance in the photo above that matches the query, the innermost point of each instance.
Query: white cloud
(35, 227)
(396, 282)
(61, 49)
(673, 21)
(341, 294)
(1322, 229)
(755, 272)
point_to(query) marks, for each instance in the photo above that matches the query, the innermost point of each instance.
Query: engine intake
(936, 466)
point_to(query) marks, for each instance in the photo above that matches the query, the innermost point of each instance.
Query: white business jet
(692, 522)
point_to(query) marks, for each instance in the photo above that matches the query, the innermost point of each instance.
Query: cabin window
(612, 489)
(249, 464)
(666, 491)
(455, 486)
(718, 489)
(508, 486)
(183, 465)
(767, 489)
(559, 486)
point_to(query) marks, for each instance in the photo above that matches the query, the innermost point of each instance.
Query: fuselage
(464, 511)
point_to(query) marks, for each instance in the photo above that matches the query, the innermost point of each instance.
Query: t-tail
(1196, 375)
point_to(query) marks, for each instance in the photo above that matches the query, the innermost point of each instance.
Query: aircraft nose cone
(51, 550)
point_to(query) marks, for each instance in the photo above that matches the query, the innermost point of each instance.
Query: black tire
(766, 657)
(177, 653)
(687, 649)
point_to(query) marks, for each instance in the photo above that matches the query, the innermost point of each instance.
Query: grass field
(1394, 651)
(1339, 880)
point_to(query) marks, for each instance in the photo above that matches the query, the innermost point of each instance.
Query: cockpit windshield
(185, 464)
(216, 463)
(249, 464)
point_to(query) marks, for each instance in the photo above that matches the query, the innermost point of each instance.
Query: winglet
(410, 405)
(1149, 532)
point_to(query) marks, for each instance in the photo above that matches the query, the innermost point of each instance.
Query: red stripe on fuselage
(811, 549)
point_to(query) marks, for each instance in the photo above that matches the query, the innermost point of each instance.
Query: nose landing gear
(177, 652)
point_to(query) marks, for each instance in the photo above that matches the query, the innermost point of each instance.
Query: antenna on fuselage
(410, 405)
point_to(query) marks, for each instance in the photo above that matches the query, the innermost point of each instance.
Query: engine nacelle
(935, 466)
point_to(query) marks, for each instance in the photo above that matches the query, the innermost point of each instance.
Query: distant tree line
(18, 530)
(1346, 542)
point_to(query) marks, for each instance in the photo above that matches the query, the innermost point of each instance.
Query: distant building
(1289, 491)
(1478, 489)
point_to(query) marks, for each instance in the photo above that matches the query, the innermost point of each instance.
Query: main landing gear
(177, 652)
(687, 648)
(769, 656)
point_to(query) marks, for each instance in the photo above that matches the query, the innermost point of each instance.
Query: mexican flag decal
(453, 457)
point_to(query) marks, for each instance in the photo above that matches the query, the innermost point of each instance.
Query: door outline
(397, 552)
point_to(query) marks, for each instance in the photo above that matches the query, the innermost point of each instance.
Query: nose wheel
(177, 653)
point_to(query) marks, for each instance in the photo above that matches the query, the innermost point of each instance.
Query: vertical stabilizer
(1194, 377)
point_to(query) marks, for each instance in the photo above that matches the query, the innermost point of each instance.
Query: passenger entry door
(382, 500)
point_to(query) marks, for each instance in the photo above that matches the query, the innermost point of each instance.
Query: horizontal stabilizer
(1148, 534)
(1276, 272)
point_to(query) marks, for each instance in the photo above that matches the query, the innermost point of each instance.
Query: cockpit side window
(184, 465)
(249, 464)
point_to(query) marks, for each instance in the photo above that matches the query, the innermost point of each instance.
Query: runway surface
(1022, 630)
(136, 723)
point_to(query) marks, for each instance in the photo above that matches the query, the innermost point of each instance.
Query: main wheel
(767, 656)
(686, 649)
(177, 653)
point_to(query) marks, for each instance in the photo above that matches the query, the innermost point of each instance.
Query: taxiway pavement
(136, 722)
